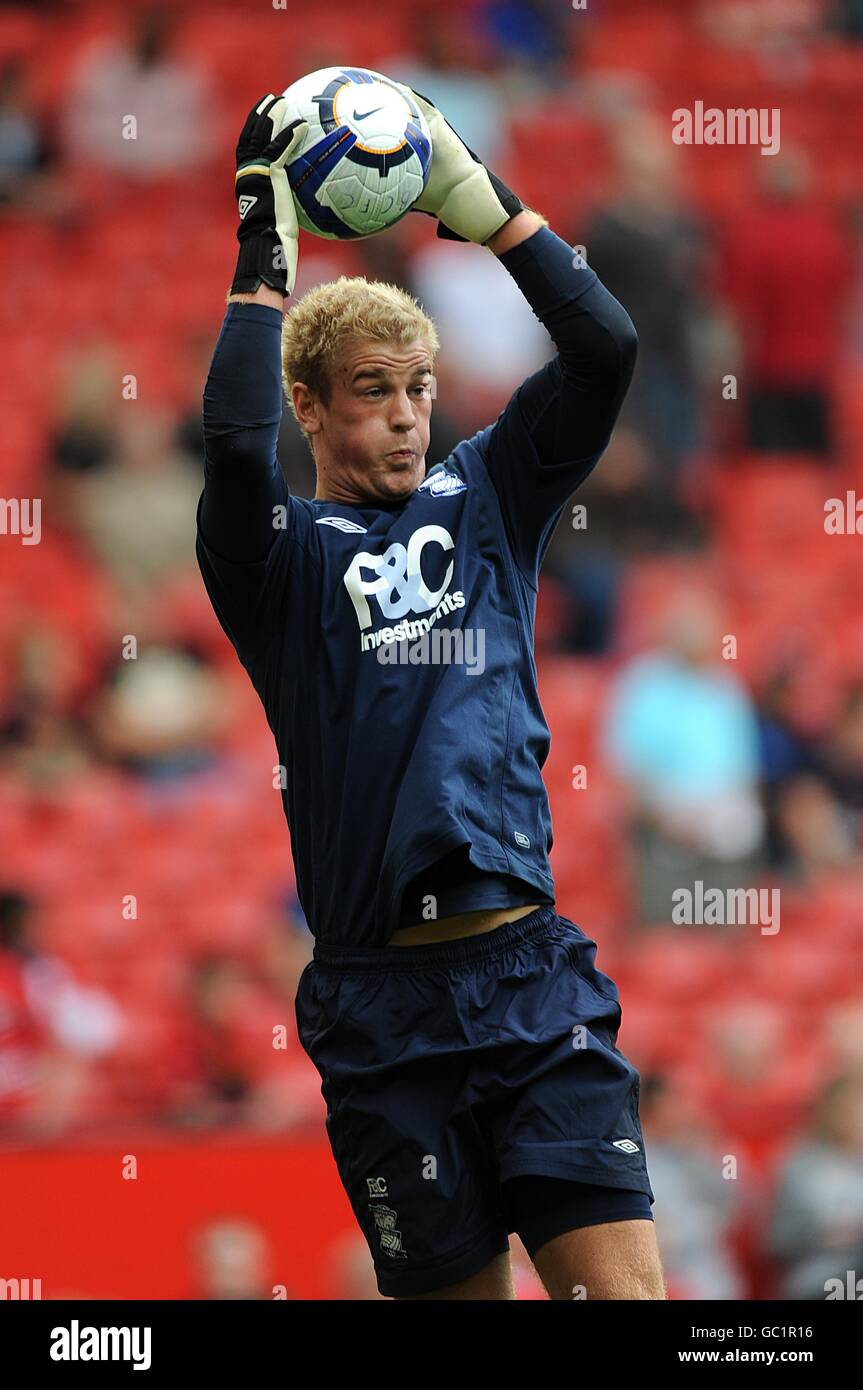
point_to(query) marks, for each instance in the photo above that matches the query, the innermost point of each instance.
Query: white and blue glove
(470, 202)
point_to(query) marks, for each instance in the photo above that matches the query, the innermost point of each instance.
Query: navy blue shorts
(449, 1069)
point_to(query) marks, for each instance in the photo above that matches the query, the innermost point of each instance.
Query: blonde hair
(316, 329)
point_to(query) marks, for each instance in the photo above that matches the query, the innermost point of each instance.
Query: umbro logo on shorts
(626, 1145)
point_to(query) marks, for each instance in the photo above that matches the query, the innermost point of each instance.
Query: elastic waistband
(462, 951)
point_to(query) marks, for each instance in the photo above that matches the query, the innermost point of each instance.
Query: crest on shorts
(385, 1219)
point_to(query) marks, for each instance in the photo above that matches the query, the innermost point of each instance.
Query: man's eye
(422, 387)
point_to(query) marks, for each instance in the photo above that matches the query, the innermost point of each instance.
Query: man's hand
(268, 231)
(470, 201)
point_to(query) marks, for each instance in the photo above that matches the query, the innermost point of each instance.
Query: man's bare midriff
(463, 924)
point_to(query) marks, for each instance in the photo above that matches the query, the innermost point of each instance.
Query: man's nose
(403, 411)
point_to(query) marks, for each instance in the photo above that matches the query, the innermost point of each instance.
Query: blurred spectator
(694, 1204)
(159, 714)
(648, 251)
(172, 103)
(43, 735)
(817, 1224)
(25, 152)
(793, 335)
(845, 17)
(815, 834)
(626, 515)
(84, 437)
(531, 37)
(52, 1029)
(840, 760)
(681, 732)
(231, 1257)
(137, 513)
(784, 752)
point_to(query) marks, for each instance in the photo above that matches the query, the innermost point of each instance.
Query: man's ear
(306, 407)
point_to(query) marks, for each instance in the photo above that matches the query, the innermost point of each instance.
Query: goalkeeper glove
(470, 202)
(268, 231)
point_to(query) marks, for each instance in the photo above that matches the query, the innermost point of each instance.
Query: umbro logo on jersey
(627, 1146)
(341, 523)
(245, 203)
(442, 484)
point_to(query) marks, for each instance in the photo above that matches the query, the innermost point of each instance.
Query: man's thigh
(586, 1240)
(619, 1260)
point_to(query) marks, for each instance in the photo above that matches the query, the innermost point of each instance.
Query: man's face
(370, 441)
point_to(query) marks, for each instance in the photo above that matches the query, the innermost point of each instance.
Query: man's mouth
(403, 454)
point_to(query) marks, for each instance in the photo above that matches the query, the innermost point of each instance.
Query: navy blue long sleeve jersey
(394, 764)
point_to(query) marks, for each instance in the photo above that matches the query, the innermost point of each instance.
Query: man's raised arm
(243, 481)
(240, 546)
(558, 423)
(243, 394)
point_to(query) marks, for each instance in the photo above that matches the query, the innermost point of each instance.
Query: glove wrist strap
(259, 263)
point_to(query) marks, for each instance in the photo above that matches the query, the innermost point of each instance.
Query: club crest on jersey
(442, 484)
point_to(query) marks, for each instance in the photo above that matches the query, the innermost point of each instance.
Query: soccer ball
(366, 156)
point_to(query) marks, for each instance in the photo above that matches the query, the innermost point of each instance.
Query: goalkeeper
(464, 1037)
